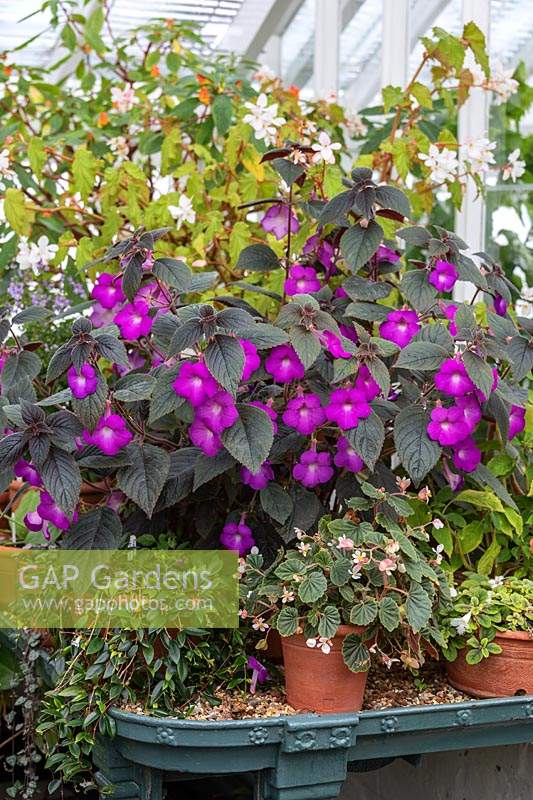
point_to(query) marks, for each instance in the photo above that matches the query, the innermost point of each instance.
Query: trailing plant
(378, 575)
(481, 607)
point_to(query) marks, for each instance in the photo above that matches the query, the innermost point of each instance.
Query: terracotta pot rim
(520, 635)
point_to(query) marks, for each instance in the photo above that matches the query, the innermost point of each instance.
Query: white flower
(442, 163)
(4, 163)
(501, 82)
(123, 99)
(461, 623)
(259, 624)
(453, 591)
(355, 125)
(287, 596)
(324, 149)
(119, 146)
(322, 643)
(132, 542)
(303, 547)
(359, 557)
(183, 212)
(438, 551)
(299, 533)
(35, 254)
(344, 543)
(263, 119)
(478, 152)
(514, 168)
(438, 524)
(470, 63)
(497, 581)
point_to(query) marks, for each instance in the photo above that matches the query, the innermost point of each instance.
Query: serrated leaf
(250, 438)
(174, 273)
(364, 612)
(185, 336)
(222, 110)
(224, 358)
(306, 344)
(17, 212)
(91, 408)
(358, 288)
(85, 167)
(417, 607)
(263, 336)
(355, 654)
(437, 334)
(389, 613)
(337, 208)
(468, 271)
(62, 480)
(98, 529)
(341, 571)
(143, 480)
(276, 502)
(416, 451)
(421, 356)
(391, 197)
(133, 388)
(367, 439)
(112, 348)
(521, 355)
(164, 399)
(479, 499)
(417, 290)
(208, 467)
(414, 235)
(359, 244)
(329, 622)
(479, 372)
(20, 367)
(312, 586)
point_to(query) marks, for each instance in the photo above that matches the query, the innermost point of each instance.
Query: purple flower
(341, 292)
(108, 290)
(313, 468)
(400, 327)
(251, 359)
(284, 365)
(84, 383)
(101, 316)
(517, 421)
(500, 305)
(349, 333)
(267, 408)
(156, 296)
(449, 311)
(195, 383)
(33, 521)
(448, 425)
(366, 384)
(347, 457)
(260, 674)
(260, 479)
(218, 412)
(148, 262)
(452, 378)
(304, 413)
(134, 320)
(276, 221)
(203, 437)
(386, 254)
(333, 345)
(23, 469)
(346, 407)
(301, 280)
(466, 455)
(110, 434)
(50, 511)
(322, 250)
(495, 380)
(237, 536)
(471, 410)
(443, 276)
(455, 482)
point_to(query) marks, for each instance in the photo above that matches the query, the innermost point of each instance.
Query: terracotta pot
(318, 682)
(507, 673)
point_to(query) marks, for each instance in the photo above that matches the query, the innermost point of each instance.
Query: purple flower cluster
(301, 280)
(400, 327)
(313, 468)
(237, 536)
(82, 383)
(443, 276)
(110, 434)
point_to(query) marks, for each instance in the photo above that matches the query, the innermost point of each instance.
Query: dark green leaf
(329, 622)
(364, 612)
(258, 258)
(479, 372)
(208, 467)
(337, 208)
(414, 235)
(264, 336)
(306, 344)
(417, 607)
(312, 586)
(416, 451)
(62, 480)
(143, 480)
(164, 399)
(355, 654)
(391, 197)
(418, 291)
(250, 438)
(287, 621)
(421, 356)
(359, 244)
(520, 353)
(98, 529)
(389, 613)
(367, 439)
(224, 358)
(132, 388)
(276, 502)
(174, 273)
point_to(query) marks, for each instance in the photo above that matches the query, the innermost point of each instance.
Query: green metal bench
(303, 757)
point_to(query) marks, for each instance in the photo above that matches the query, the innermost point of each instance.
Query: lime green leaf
(37, 155)
(84, 171)
(476, 39)
(480, 499)
(19, 216)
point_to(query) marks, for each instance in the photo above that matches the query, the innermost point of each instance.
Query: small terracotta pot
(316, 681)
(501, 675)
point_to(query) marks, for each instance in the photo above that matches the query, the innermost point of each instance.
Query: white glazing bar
(327, 36)
(473, 124)
(272, 55)
(395, 45)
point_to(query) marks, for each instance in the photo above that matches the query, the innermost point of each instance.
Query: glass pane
(297, 48)
(360, 46)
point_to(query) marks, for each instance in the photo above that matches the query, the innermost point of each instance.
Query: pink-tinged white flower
(501, 82)
(184, 211)
(303, 547)
(497, 581)
(461, 623)
(264, 73)
(355, 125)
(123, 99)
(322, 643)
(387, 565)
(344, 543)
(438, 524)
(442, 163)
(5, 168)
(514, 168)
(359, 557)
(34, 255)
(392, 548)
(438, 553)
(119, 147)
(478, 153)
(259, 624)
(264, 119)
(287, 596)
(324, 149)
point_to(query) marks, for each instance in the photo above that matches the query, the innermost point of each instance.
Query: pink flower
(452, 378)
(333, 345)
(258, 480)
(387, 565)
(23, 469)
(400, 327)
(517, 421)
(203, 437)
(110, 434)
(349, 333)
(304, 413)
(448, 425)
(301, 280)
(346, 407)
(313, 468)
(195, 383)
(237, 537)
(276, 221)
(346, 457)
(108, 290)
(218, 412)
(284, 365)
(466, 455)
(251, 359)
(267, 408)
(84, 383)
(366, 384)
(50, 511)
(134, 320)
(443, 276)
